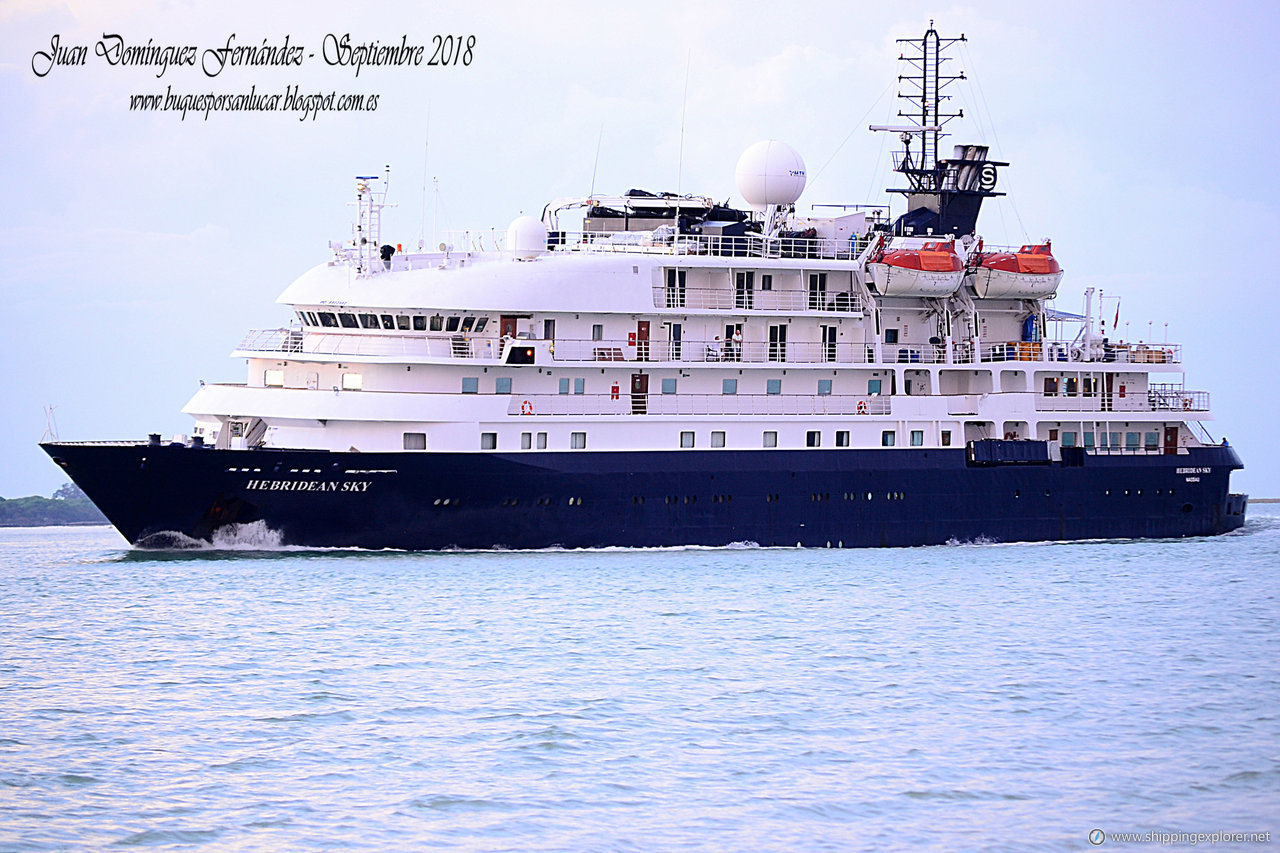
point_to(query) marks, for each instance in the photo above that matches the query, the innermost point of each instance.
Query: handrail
(626, 403)
(728, 298)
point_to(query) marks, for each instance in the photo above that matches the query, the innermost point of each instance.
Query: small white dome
(526, 237)
(770, 172)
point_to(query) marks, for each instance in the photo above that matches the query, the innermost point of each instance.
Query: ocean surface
(965, 697)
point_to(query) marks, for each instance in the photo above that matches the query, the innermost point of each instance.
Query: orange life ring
(1186, 404)
(526, 408)
(862, 407)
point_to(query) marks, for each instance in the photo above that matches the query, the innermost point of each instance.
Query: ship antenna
(51, 424)
(684, 106)
(596, 164)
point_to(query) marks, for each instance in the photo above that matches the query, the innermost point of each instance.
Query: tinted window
(480, 324)
(437, 323)
(388, 322)
(467, 323)
(402, 322)
(419, 324)
(348, 321)
(369, 321)
(328, 319)
(451, 325)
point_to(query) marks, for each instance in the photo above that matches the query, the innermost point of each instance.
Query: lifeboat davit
(919, 268)
(1029, 273)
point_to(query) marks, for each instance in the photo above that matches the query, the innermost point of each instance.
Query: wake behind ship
(651, 369)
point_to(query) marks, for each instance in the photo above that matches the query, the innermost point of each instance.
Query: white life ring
(526, 408)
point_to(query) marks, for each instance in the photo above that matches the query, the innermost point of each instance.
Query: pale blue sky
(136, 250)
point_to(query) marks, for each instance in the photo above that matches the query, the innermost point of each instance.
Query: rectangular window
(813, 438)
(564, 385)
(1115, 439)
(773, 386)
(873, 387)
(388, 322)
(369, 321)
(824, 387)
(842, 438)
(415, 441)
(597, 332)
(542, 441)
(467, 324)
(502, 385)
(526, 441)
(668, 386)
(471, 385)
(817, 290)
(1131, 440)
(717, 438)
(770, 438)
(1051, 386)
(890, 336)
(451, 324)
(348, 321)
(481, 323)
(402, 322)
(766, 281)
(352, 382)
(419, 323)
(888, 438)
(676, 288)
(1072, 386)
(548, 330)
(488, 441)
(1088, 439)
(579, 385)
(1151, 440)
(917, 438)
(577, 440)
(946, 438)
(328, 319)
(274, 378)
(1068, 439)
(686, 438)
(312, 317)
(729, 386)
(1087, 387)
(437, 322)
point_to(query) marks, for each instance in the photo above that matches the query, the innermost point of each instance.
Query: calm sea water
(962, 697)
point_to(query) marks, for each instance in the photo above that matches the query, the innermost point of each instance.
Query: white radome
(526, 237)
(770, 173)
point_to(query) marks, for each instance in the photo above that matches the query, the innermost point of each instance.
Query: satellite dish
(770, 173)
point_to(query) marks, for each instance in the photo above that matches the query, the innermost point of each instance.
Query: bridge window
(402, 322)
(369, 321)
(328, 319)
(451, 324)
(467, 324)
(419, 323)
(388, 322)
(348, 321)
(437, 323)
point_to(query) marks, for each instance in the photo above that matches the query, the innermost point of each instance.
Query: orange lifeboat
(915, 267)
(1032, 272)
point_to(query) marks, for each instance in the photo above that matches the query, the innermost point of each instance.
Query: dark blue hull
(815, 498)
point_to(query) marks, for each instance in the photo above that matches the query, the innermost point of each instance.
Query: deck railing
(730, 299)
(626, 403)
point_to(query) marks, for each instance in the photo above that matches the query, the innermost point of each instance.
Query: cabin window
(468, 323)
(917, 438)
(686, 438)
(471, 385)
(1131, 440)
(1151, 440)
(773, 386)
(579, 385)
(597, 332)
(668, 386)
(352, 382)
(564, 385)
(502, 385)
(770, 438)
(526, 441)
(717, 438)
(824, 387)
(402, 322)
(946, 438)
(766, 281)
(873, 387)
(813, 438)
(1072, 386)
(1051, 386)
(452, 323)
(488, 441)
(437, 323)
(890, 336)
(274, 378)
(1088, 439)
(542, 441)
(577, 440)
(328, 319)
(842, 438)
(419, 323)
(888, 438)
(729, 386)
(415, 441)
(348, 321)
(1088, 388)
(1068, 439)
(388, 322)
(369, 321)
(481, 323)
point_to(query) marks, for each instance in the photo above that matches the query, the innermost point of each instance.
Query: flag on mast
(1115, 324)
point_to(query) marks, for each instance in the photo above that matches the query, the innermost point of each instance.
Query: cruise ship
(654, 369)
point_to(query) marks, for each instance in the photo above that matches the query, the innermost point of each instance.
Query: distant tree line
(68, 505)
